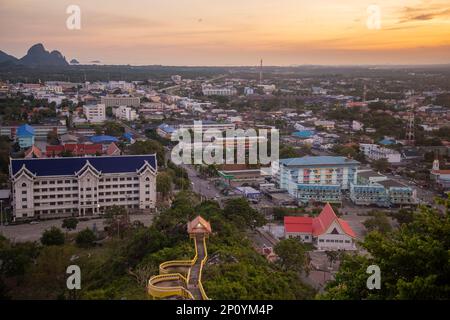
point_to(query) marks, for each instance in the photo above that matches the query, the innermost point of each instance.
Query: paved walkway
(195, 270)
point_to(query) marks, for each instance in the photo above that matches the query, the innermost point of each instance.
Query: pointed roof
(198, 226)
(324, 220)
(318, 225)
(113, 150)
(33, 152)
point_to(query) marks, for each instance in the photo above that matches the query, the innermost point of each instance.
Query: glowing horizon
(232, 32)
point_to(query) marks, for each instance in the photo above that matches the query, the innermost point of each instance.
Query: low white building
(376, 152)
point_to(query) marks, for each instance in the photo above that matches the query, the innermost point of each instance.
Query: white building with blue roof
(82, 186)
(316, 178)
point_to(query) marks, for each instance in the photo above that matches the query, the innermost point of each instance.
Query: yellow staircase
(183, 278)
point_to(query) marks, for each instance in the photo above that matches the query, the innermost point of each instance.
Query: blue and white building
(81, 186)
(373, 188)
(316, 178)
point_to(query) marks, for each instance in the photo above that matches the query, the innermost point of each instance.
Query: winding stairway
(183, 278)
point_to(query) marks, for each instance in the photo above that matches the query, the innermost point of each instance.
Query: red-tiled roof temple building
(326, 231)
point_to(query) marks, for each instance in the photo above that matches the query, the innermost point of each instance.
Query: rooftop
(318, 160)
(317, 225)
(70, 165)
(103, 139)
(369, 174)
(25, 130)
(392, 183)
(198, 226)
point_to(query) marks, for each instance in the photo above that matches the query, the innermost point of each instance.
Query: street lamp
(1, 213)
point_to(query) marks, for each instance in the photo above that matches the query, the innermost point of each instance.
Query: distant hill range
(36, 56)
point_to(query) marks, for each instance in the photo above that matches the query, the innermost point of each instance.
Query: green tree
(117, 221)
(403, 216)
(287, 152)
(149, 147)
(70, 224)
(52, 138)
(242, 214)
(379, 222)
(16, 257)
(332, 256)
(113, 129)
(380, 165)
(85, 238)
(163, 184)
(48, 276)
(292, 255)
(53, 237)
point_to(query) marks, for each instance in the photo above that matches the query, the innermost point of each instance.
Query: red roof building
(326, 231)
(76, 149)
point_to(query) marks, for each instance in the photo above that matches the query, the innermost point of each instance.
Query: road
(33, 232)
(201, 186)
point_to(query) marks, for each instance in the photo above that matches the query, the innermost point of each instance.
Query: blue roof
(68, 166)
(166, 128)
(25, 130)
(387, 142)
(128, 135)
(103, 139)
(304, 133)
(317, 160)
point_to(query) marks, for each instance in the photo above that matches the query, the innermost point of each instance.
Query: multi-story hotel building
(95, 113)
(116, 101)
(81, 186)
(315, 178)
(125, 113)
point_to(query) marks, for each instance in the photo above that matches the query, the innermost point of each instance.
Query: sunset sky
(231, 32)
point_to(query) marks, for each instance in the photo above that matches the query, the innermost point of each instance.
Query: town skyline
(191, 33)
